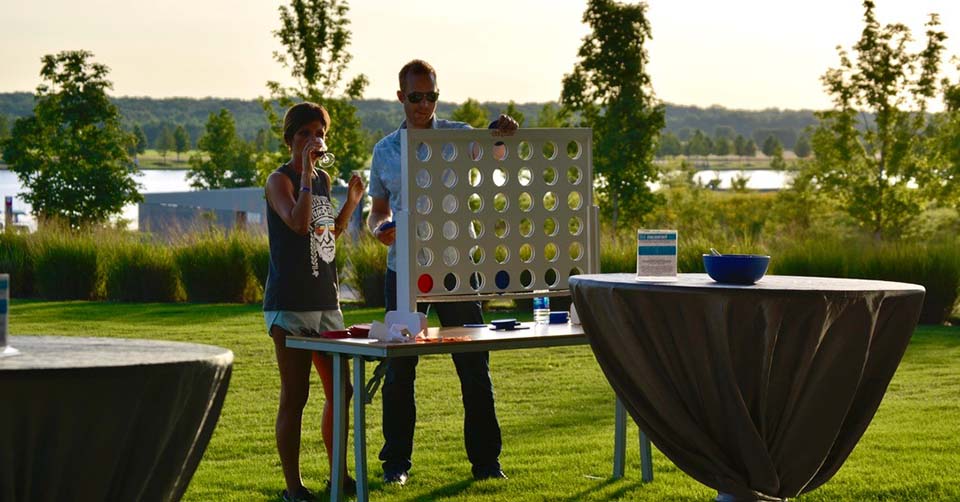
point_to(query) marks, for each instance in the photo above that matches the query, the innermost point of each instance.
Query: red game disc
(425, 283)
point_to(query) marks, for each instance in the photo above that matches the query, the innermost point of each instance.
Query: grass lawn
(151, 159)
(555, 409)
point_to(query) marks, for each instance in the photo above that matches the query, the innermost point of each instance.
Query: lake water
(151, 181)
(175, 180)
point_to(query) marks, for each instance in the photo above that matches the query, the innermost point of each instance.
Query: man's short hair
(416, 67)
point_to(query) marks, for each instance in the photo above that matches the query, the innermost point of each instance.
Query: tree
(552, 115)
(699, 144)
(943, 183)
(472, 113)
(776, 159)
(4, 127)
(227, 159)
(722, 146)
(514, 112)
(315, 35)
(802, 147)
(69, 155)
(725, 132)
(740, 146)
(140, 139)
(611, 89)
(181, 140)
(770, 146)
(165, 142)
(750, 149)
(243, 170)
(869, 165)
(669, 145)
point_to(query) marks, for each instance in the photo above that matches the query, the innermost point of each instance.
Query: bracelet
(306, 189)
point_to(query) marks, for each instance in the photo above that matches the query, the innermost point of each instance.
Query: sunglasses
(416, 97)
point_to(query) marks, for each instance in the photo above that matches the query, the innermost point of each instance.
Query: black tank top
(303, 273)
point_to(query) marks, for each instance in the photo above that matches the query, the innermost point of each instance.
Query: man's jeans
(481, 432)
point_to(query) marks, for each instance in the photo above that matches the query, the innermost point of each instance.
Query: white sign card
(656, 255)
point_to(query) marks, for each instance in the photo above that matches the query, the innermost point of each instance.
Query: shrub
(16, 259)
(214, 268)
(66, 267)
(367, 268)
(258, 252)
(936, 267)
(141, 272)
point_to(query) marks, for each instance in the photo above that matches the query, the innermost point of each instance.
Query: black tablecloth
(760, 392)
(106, 419)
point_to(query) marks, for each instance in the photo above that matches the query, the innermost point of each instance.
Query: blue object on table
(736, 268)
(507, 324)
(559, 316)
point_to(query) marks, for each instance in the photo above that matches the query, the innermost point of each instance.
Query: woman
(302, 290)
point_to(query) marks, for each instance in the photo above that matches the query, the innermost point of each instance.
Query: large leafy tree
(611, 89)
(70, 155)
(472, 113)
(943, 183)
(873, 145)
(316, 35)
(224, 160)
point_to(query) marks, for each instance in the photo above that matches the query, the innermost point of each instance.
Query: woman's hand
(311, 151)
(354, 190)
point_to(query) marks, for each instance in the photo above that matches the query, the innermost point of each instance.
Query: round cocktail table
(106, 418)
(760, 392)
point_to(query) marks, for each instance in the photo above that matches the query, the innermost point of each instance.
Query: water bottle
(541, 310)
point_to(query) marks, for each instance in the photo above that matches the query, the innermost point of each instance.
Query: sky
(744, 54)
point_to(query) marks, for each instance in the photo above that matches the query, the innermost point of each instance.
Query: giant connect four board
(485, 214)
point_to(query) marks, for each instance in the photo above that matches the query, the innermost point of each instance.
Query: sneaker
(395, 478)
(491, 474)
(302, 495)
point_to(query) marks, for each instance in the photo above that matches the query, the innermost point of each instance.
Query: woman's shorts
(292, 322)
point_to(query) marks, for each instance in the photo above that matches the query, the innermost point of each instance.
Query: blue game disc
(502, 279)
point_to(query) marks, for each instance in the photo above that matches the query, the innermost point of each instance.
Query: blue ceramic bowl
(736, 268)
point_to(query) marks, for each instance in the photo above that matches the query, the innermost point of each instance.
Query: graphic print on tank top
(323, 244)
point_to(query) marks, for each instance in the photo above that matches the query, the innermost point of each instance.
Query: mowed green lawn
(555, 409)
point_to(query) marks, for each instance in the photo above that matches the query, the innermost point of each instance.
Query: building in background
(230, 208)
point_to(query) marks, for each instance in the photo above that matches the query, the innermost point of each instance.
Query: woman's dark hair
(301, 114)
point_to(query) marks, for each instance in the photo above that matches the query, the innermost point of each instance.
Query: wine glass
(326, 159)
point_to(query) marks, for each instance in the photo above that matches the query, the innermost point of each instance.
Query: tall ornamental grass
(367, 267)
(138, 271)
(66, 266)
(935, 266)
(214, 268)
(17, 259)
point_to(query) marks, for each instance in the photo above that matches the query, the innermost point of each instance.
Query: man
(419, 94)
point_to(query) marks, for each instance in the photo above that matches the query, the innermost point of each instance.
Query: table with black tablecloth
(105, 418)
(760, 392)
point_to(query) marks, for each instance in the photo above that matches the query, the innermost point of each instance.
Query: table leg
(646, 459)
(619, 440)
(340, 379)
(360, 429)
(620, 447)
